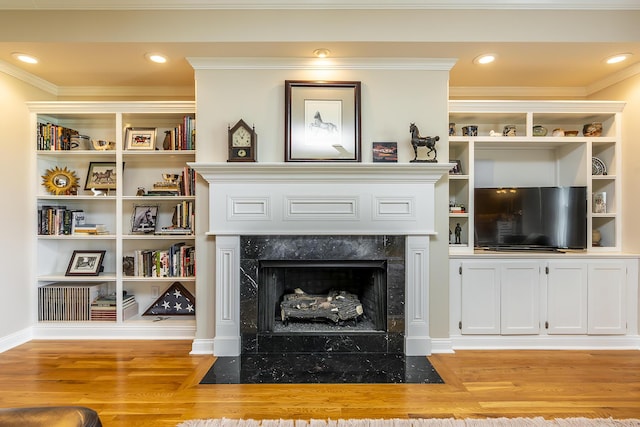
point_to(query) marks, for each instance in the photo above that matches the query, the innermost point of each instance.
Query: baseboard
(201, 346)
(546, 342)
(15, 339)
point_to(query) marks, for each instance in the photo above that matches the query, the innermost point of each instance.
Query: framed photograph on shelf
(385, 152)
(457, 169)
(144, 219)
(140, 139)
(322, 121)
(85, 263)
(101, 176)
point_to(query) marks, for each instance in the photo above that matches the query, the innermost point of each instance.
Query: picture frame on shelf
(140, 138)
(144, 219)
(322, 121)
(457, 168)
(385, 152)
(101, 176)
(85, 263)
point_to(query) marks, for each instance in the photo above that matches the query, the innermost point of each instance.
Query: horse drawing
(319, 125)
(423, 141)
(104, 177)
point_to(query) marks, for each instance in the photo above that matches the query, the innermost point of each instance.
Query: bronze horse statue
(423, 141)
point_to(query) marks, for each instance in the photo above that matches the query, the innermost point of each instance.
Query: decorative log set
(336, 306)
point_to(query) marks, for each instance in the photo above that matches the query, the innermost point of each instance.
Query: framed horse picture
(322, 121)
(101, 176)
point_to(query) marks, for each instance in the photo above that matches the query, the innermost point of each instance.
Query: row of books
(104, 308)
(58, 220)
(52, 137)
(177, 261)
(183, 136)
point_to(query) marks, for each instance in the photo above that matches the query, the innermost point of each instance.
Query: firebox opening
(332, 285)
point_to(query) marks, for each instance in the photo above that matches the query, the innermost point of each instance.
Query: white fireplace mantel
(320, 199)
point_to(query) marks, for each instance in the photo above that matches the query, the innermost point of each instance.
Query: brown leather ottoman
(53, 416)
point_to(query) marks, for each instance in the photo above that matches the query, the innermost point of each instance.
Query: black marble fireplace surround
(375, 261)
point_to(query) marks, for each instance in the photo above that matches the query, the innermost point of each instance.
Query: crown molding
(27, 77)
(615, 78)
(317, 4)
(127, 91)
(424, 64)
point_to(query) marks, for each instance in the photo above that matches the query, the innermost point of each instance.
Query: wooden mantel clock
(242, 143)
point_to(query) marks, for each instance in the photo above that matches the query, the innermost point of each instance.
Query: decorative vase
(592, 129)
(539, 130)
(596, 237)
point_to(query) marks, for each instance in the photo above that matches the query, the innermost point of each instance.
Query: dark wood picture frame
(85, 263)
(322, 121)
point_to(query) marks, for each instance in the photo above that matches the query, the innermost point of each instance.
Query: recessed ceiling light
(322, 53)
(486, 58)
(617, 58)
(156, 57)
(25, 58)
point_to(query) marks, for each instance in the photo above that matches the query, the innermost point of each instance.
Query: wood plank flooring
(155, 383)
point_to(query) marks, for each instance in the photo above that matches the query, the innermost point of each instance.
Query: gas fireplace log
(336, 306)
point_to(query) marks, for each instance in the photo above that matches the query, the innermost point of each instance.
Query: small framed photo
(322, 121)
(385, 152)
(85, 263)
(140, 139)
(457, 169)
(101, 176)
(144, 219)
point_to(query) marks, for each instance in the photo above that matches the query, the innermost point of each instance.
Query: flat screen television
(531, 218)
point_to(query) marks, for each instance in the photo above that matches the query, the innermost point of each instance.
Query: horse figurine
(423, 141)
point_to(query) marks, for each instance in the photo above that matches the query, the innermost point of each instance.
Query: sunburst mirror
(60, 181)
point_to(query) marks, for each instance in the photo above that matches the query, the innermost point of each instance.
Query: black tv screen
(531, 218)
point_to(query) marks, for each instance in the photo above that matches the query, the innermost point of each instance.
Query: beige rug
(433, 422)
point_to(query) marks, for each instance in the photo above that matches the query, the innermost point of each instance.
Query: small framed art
(85, 263)
(385, 152)
(101, 176)
(140, 139)
(457, 169)
(144, 219)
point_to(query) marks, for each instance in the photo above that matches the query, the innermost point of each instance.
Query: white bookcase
(108, 121)
(490, 159)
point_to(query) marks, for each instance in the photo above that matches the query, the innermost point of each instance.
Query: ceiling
(543, 47)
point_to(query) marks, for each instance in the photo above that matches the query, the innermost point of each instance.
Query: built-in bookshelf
(547, 146)
(112, 178)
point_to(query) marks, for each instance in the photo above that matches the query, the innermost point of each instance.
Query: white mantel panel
(321, 198)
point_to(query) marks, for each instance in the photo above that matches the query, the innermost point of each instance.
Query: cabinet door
(607, 298)
(567, 297)
(520, 298)
(480, 288)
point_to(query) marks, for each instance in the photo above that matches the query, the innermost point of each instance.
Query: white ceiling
(544, 48)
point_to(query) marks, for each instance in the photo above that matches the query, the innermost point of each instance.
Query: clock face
(241, 138)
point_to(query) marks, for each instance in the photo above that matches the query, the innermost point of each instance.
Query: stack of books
(90, 229)
(104, 308)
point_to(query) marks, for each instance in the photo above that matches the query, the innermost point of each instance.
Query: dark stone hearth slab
(322, 368)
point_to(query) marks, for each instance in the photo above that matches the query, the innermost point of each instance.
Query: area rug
(431, 422)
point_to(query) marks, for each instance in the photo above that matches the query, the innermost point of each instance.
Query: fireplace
(369, 267)
(317, 213)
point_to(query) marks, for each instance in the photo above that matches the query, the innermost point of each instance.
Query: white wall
(391, 99)
(17, 214)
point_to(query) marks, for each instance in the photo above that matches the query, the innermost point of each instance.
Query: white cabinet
(500, 298)
(525, 159)
(112, 185)
(607, 290)
(543, 301)
(567, 295)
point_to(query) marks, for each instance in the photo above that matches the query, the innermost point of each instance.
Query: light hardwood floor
(155, 383)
